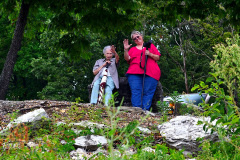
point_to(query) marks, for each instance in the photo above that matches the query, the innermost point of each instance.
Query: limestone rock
(88, 124)
(90, 142)
(144, 130)
(33, 116)
(79, 154)
(149, 149)
(181, 132)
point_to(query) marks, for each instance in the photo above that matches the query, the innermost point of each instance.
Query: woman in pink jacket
(135, 72)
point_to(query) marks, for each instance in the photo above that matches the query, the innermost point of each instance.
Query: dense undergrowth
(48, 138)
(49, 135)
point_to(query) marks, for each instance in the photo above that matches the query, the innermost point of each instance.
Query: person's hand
(106, 63)
(126, 45)
(113, 49)
(147, 53)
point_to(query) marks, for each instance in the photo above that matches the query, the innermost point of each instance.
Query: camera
(108, 64)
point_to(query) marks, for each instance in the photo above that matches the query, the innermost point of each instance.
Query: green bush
(222, 85)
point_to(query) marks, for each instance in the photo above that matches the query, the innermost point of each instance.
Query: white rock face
(149, 149)
(79, 154)
(33, 116)
(144, 130)
(181, 132)
(90, 142)
(88, 124)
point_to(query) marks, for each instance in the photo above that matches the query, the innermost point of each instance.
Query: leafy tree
(14, 48)
(65, 79)
(23, 84)
(178, 9)
(6, 30)
(59, 34)
(186, 49)
(74, 17)
(226, 65)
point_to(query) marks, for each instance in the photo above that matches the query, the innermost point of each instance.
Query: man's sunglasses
(137, 37)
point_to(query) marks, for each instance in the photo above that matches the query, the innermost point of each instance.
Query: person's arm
(126, 48)
(115, 54)
(126, 55)
(116, 57)
(153, 56)
(95, 72)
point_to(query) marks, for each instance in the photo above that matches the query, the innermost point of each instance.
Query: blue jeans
(136, 83)
(108, 90)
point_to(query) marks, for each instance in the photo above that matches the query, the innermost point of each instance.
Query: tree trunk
(14, 48)
(184, 58)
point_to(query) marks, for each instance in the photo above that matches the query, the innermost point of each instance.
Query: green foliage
(197, 38)
(184, 109)
(218, 150)
(163, 107)
(13, 115)
(162, 152)
(24, 85)
(75, 21)
(175, 97)
(14, 145)
(5, 39)
(226, 64)
(178, 9)
(223, 111)
(125, 136)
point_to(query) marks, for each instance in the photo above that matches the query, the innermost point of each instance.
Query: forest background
(61, 42)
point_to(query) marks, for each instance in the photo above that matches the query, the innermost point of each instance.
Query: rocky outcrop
(28, 105)
(86, 146)
(182, 132)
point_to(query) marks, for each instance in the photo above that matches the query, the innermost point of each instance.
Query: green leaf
(195, 87)
(199, 122)
(235, 120)
(210, 79)
(219, 121)
(214, 116)
(112, 132)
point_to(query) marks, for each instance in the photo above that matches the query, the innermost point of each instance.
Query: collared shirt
(112, 69)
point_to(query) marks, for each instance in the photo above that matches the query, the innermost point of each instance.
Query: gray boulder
(90, 142)
(30, 117)
(33, 116)
(182, 132)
